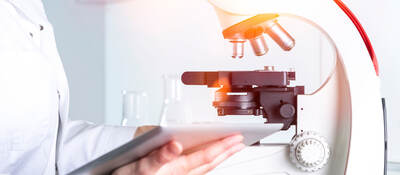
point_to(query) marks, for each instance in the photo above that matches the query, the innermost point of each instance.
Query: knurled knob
(309, 151)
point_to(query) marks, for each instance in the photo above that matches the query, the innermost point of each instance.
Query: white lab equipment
(339, 127)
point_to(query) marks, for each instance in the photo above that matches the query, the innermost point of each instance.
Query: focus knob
(309, 151)
(287, 111)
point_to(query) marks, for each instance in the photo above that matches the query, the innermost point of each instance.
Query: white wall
(388, 52)
(380, 19)
(79, 30)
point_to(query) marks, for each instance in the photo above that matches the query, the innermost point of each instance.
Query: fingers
(234, 149)
(209, 154)
(198, 162)
(157, 159)
(154, 161)
(208, 167)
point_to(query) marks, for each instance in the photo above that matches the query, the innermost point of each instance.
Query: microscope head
(239, 27)
(252, 30)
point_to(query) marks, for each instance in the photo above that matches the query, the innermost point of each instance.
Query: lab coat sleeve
(82, 141)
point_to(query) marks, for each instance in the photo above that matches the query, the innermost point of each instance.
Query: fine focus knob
(309, 151)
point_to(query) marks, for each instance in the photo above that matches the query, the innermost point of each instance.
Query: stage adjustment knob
(287, 111)
(309, 151)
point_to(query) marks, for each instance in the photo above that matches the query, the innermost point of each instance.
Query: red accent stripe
(363, 34)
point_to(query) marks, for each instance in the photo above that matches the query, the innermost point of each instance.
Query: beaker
(134, 108)
(175, 110)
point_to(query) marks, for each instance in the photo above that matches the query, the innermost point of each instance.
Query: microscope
(339, 127)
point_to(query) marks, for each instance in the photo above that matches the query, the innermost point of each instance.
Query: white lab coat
(36, 136)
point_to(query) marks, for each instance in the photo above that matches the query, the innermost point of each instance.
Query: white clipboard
(189, 135)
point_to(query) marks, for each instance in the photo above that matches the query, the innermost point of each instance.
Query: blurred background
(109, 47)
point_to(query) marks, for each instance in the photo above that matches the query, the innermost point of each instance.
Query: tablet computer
(189, 135)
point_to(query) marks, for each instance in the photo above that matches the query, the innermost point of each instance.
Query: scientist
(36, 136)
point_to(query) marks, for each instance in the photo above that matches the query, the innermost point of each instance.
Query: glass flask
(174, 110)
(134, 108)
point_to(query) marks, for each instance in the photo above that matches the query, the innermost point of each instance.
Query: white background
(105, 46)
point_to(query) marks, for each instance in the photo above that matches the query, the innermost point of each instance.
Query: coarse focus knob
(309, 151)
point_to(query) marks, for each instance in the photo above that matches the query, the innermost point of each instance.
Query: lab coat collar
(32, 10)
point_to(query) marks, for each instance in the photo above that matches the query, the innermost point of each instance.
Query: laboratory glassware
(174, 110)
(134, 108)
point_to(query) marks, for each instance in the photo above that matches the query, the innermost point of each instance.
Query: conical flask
(134, 108)
(174, 110)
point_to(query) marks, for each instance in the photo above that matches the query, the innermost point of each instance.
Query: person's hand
(169, 159)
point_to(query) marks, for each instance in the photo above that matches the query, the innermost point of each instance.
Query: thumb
(155, 160)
